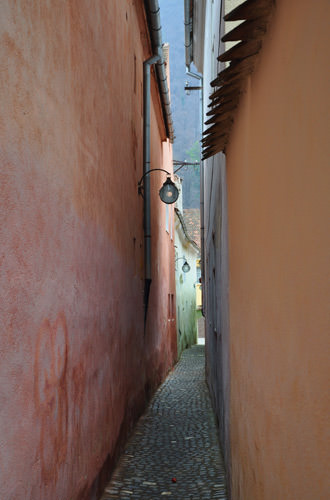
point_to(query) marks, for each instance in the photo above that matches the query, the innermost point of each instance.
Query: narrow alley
(164, 173)
(174, 449)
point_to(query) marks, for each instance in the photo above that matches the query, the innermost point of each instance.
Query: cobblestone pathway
(174, 450)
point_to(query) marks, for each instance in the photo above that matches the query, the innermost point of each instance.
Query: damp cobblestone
(174, 450)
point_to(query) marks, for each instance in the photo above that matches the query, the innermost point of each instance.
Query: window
(172, 224)
(170, 306)
(198, 269)
(167, 218)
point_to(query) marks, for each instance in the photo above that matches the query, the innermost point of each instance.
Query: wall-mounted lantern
(185, 268)
(168, 193)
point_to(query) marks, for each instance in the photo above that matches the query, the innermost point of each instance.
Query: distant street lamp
(185, 268)
(168, 193)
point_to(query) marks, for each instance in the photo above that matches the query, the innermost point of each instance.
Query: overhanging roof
(231, 81)
(185, 231)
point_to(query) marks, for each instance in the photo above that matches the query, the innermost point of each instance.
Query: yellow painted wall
(278, 209)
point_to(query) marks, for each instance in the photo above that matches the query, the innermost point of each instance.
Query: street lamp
(185, 268)
(168, 193)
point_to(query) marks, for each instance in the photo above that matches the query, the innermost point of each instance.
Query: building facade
(186, 252)
(79, 358)
(266, 240)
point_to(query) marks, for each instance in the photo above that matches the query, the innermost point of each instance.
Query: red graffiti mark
(79, 385)
(50, 394)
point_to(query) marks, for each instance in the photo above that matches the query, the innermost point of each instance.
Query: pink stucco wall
(278, 206)
(75, 364)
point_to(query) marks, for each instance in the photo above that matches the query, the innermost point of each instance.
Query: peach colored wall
(278, 191)
(160, 348)
(75, 365)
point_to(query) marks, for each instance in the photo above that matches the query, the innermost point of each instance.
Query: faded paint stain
(50, 394)
(71, 133)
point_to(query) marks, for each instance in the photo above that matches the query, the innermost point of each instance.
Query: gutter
(188, 31)
(153, 17)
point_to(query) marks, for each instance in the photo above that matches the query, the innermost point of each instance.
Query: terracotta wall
(75, 364)
(278, 180)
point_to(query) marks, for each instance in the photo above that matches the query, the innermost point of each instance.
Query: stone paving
(174, 449)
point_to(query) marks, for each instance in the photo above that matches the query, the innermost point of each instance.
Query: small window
(172, 224)
(198, 269)
(170, 306)
(167, 218)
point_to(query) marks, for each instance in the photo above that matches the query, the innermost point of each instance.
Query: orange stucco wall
(75, 364)
(278, 191)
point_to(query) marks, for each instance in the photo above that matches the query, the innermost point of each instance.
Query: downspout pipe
(146, 167)
(153, 17)
(188, 42)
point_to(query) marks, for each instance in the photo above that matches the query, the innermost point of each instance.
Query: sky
(185, 108)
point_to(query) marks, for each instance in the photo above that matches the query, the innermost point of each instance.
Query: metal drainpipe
(153, 15)
(201, 111)
(146, 183)
(187, 32)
